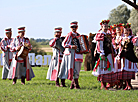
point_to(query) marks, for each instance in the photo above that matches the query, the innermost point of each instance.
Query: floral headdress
(124, 25)
(119, 25)
(104, 22)
(128, 25)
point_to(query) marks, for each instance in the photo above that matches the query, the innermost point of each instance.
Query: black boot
(72, 84)
(129, 84)
(14, 81)
(57, 82)
(22, 80)
(63, 83)
(76, 85)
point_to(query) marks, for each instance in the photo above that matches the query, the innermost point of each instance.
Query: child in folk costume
(104, 68)
(71, 61)
(20, 67)
(54, 66)
(7, 54)
(128, 59)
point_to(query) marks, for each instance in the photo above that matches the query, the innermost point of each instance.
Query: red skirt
(125, 75)
(109, 78)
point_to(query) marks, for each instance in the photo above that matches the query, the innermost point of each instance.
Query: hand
(118, 61)
(27, 45)
(19, 47)
(95, 53)
(124, 40)
(117, 40)
(81, 43)
(74, 47)
(8, 46)
(117, 47)
(103, 57)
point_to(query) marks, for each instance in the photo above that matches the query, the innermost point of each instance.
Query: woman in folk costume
(7, 54)
(104, 67)
(128, 59)
(71, 62)
(117, 46)
(20, 68)
(54, 66)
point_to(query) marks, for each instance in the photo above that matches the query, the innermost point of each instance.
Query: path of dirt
(47, 49)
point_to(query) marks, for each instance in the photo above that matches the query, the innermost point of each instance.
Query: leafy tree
(119, 15)
(134, 20)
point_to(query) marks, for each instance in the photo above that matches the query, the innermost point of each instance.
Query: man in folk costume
(20, 67)
(104, 67)
(54, 66)
(7, 54)
(128, 59)
(71, 61)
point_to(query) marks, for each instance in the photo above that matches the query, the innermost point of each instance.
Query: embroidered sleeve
(100, 48)
(134, 40)
(13, 45)
(67, 42)
(52, 43)
(99, 37)
(3, 46)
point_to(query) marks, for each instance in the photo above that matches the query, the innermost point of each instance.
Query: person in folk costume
(7, 54)
(56, 60)
(117, 46)
(113, 34)
(128, 68)
(104, 67)
(20, 68)
(71, 61)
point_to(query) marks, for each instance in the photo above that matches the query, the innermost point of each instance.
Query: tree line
(41, 41)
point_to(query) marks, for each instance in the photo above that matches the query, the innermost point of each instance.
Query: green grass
(42, 90)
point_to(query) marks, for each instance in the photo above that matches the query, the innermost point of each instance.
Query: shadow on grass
(90, 88)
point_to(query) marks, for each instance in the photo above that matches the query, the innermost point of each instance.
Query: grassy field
(42, 90)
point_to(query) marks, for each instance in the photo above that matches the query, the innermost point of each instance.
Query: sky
(40, 17)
